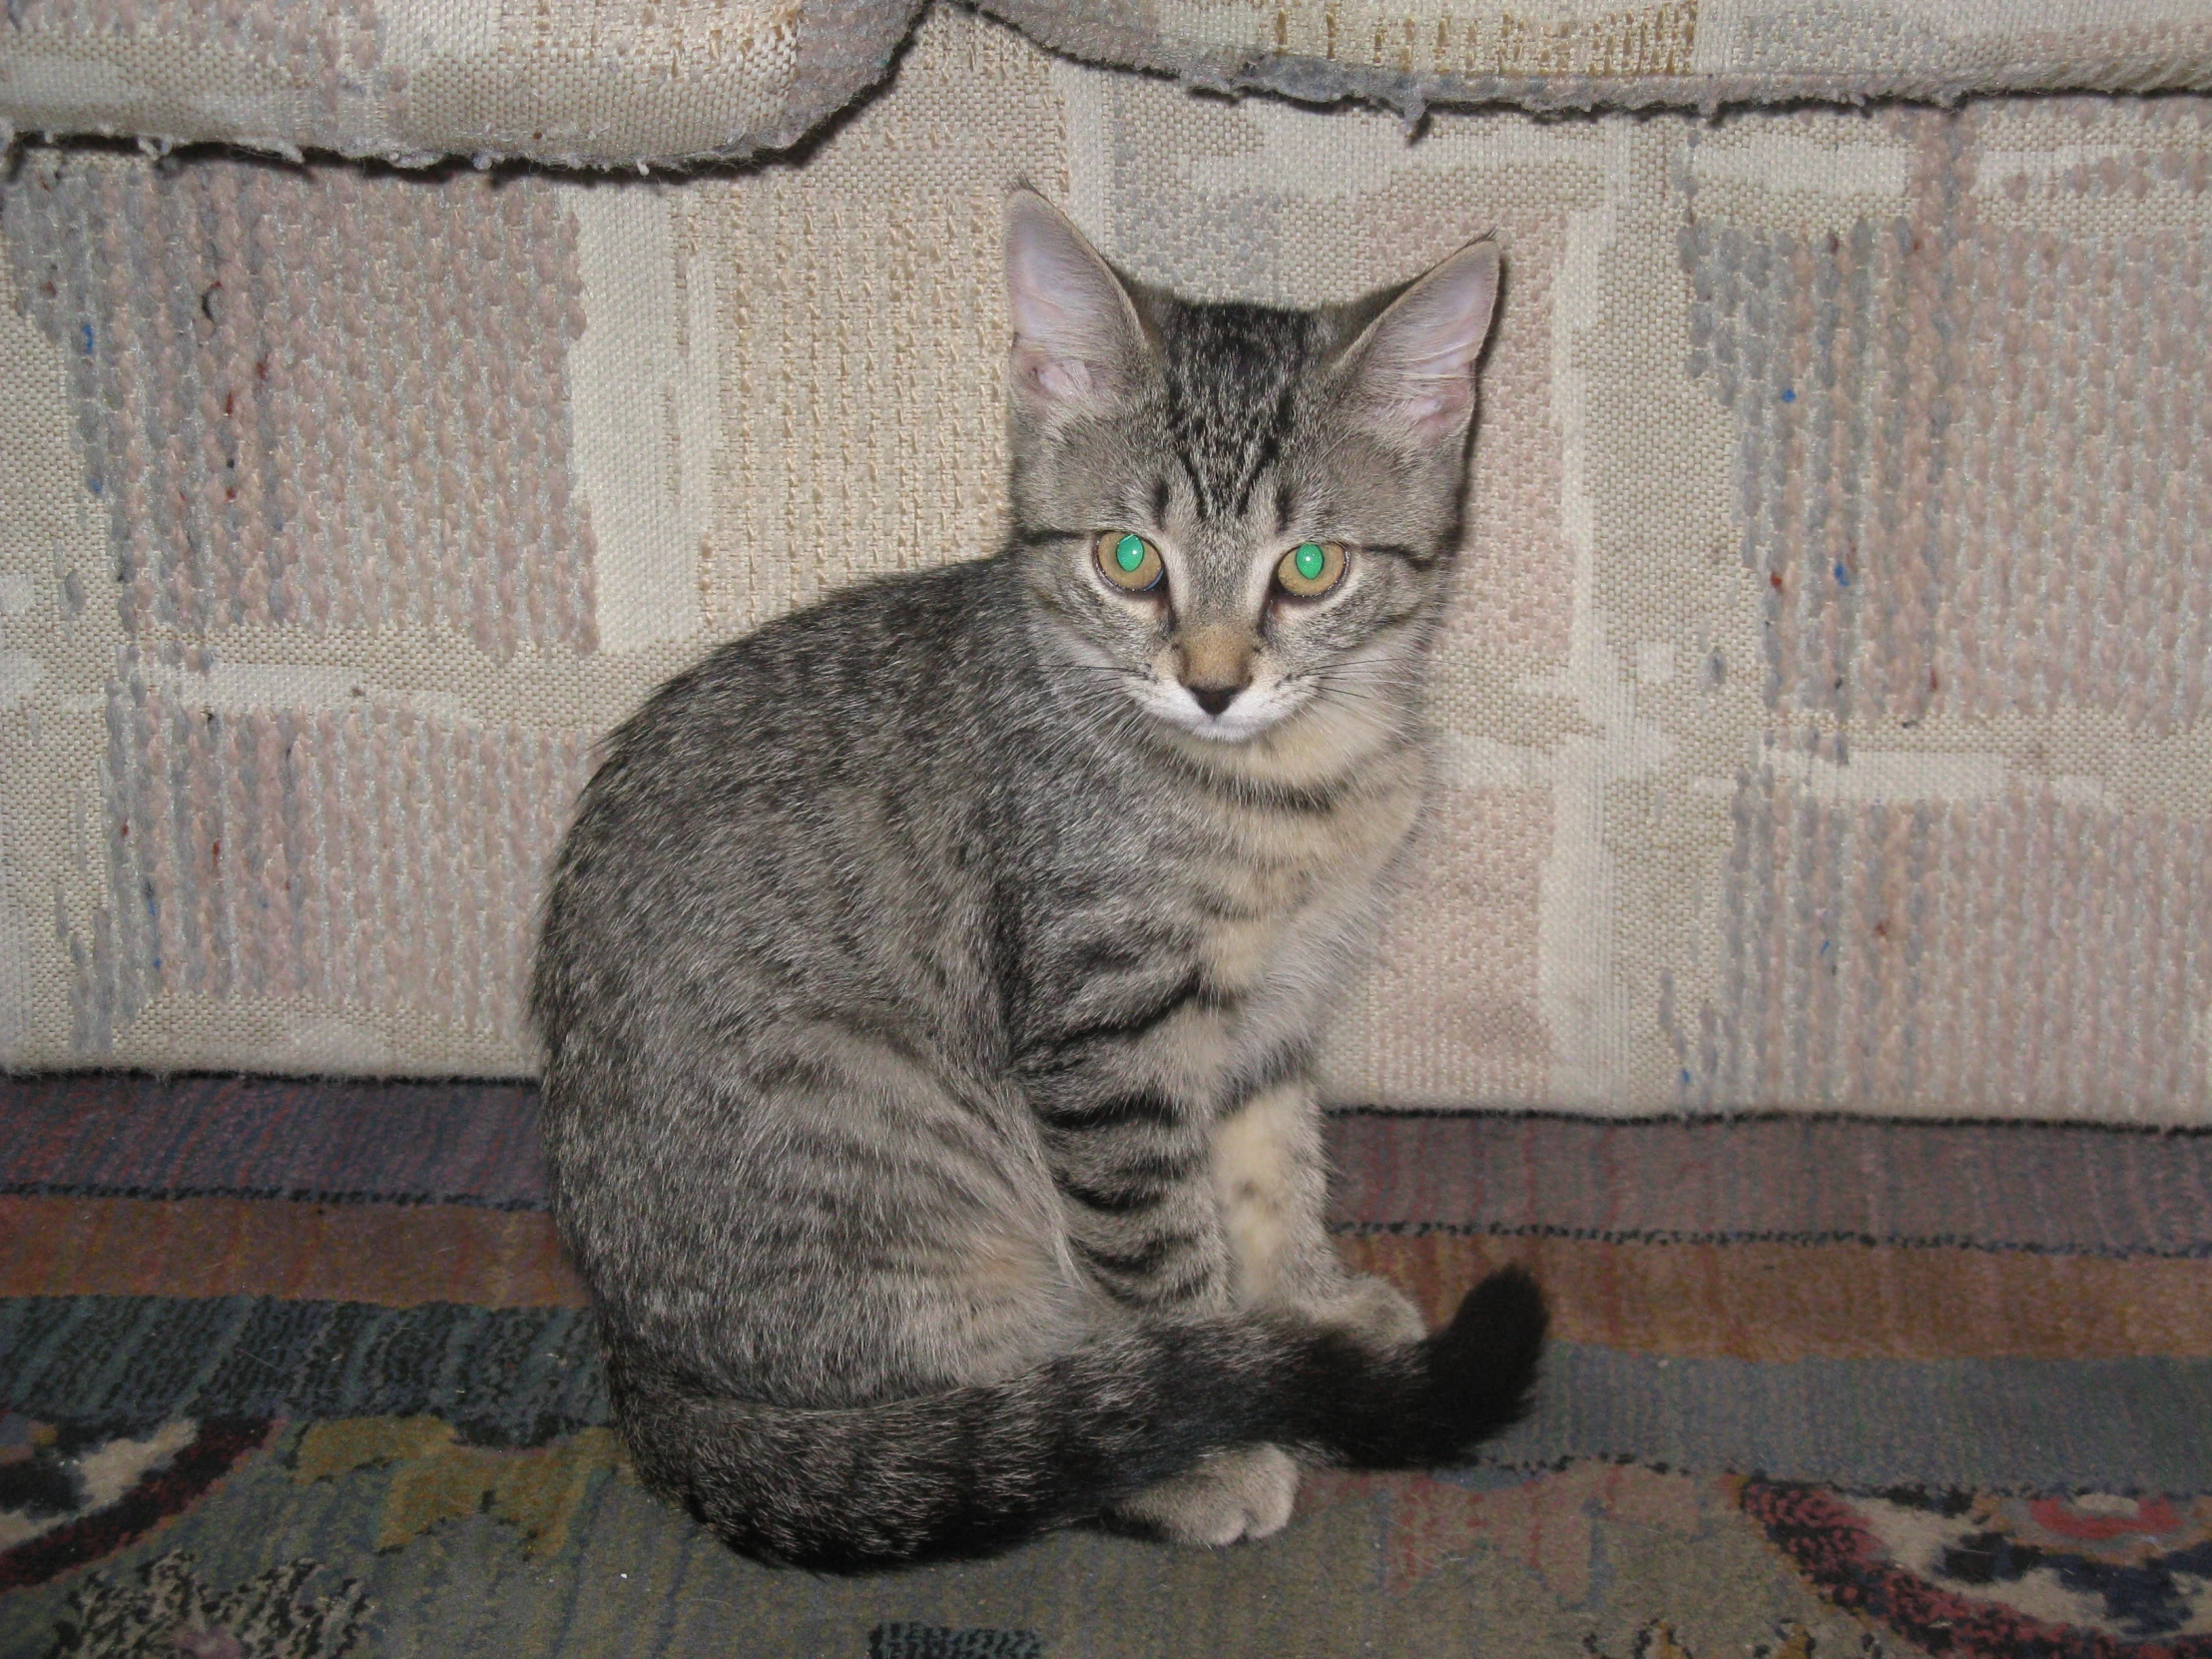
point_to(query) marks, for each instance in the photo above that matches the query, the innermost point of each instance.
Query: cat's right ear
(1078, 340)
(1411, 370)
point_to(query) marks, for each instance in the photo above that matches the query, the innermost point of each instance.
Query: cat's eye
(1312, 568)
(1128, 561)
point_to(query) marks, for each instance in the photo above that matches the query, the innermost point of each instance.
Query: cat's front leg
(1271, 1180)
(1132, 1169)
(1269, 1188)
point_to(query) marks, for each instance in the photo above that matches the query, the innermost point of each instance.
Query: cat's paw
(1232, 1497)
(1373, 1309)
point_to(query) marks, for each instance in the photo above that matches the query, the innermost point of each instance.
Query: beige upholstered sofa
(1825, 708)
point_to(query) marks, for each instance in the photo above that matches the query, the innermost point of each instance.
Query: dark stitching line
(283, 1195)
(1906, 1127)
(2198, 1251)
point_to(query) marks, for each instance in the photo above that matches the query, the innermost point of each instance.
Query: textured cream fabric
(617, 83)
(1825, 699)
(1413, 55)
(608, 83)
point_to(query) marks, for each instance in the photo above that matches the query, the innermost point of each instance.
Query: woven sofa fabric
(1412, 55)
(578, 82)
(617, 83)
(1824, 699)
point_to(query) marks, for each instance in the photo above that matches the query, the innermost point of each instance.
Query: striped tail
(978, 1469)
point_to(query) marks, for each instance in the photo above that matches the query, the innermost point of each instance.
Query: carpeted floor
(297, 1370)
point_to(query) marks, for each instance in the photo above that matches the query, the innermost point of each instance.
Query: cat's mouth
(1251, 710)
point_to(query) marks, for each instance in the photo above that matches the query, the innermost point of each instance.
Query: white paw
(1230, 1497)
(1374, 1309)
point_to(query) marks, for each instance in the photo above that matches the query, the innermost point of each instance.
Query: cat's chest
(1278, 891)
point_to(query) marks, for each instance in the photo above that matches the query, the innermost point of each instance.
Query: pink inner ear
(1057, 378)
(1428, 406)
(1071, 327)
(1037, 298)
(1434, 409)
(1420, 368)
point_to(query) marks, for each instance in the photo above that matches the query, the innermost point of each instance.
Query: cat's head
(1242, 518)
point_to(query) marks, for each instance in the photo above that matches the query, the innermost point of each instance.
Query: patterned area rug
(294, 1370)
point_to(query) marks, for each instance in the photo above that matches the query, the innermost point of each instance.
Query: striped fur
(929, 981)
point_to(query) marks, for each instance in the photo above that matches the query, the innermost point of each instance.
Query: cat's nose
(1216, 665)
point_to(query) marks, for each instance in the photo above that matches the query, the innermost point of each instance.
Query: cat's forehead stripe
(1232, 377)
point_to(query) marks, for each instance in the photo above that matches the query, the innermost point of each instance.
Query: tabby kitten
(930, 981)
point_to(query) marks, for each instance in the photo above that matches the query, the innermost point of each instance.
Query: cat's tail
(978, 1470)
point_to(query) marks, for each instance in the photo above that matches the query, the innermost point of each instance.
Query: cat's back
(898, 665)
(813, 780)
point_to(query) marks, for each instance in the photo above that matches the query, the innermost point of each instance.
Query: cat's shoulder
(879, 619)
(837, 662)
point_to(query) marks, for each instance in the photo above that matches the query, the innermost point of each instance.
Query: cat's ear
(1411, 372)
(1078, 340)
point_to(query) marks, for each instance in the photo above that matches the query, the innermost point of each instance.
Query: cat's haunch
(973, 1471)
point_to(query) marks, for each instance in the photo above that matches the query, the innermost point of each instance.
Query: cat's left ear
(1078, 340)
(1411, 373)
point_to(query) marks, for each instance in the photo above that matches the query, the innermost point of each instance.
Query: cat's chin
(1227, 729)
(1225, 738)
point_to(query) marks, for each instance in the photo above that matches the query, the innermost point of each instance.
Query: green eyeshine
(1129, 553)
(1311, 561)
